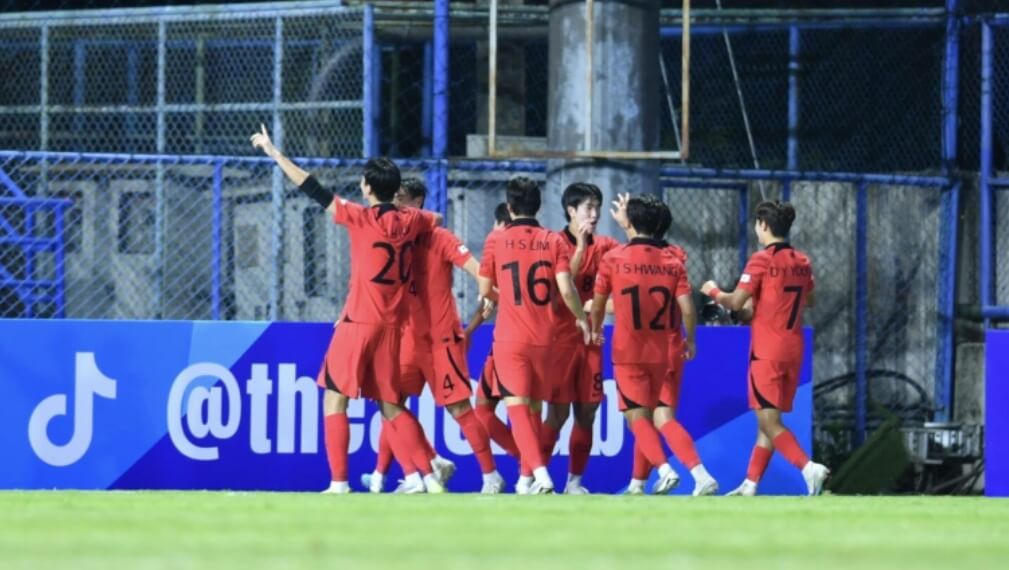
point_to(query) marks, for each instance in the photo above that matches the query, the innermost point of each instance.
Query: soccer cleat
(815, 475)
(523, 485)
(433, 485)
(573, 488)
(746, 489)
(337, 488)
(443, 468)
(635, 490)
(666, 483)
(375, 483)
(705, 487)
(492, 485)
(410, 486)
(541, 488)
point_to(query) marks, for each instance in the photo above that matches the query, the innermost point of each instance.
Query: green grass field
(72, 530)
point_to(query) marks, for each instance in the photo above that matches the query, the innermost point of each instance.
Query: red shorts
(578, 376)
(488, 378)
(522, 370)
(773, 384)
(639, 385)
(669, 395)
(416, 365)
(442, 367)
(450, 383)
(362, 361)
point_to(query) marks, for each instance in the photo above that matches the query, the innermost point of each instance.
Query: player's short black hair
(523, 196)
(383, 176)
(414, 188)
(778, 216)
(501, 214)
(665, 214)
(577, 193)
(644, 214)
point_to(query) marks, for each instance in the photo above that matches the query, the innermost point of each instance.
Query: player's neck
(634, 234)
(514, 217)
(773, 240)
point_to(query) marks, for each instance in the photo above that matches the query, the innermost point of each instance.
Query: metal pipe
(159, 179)
(427, 101)
(744, 224)
(277, 186)
(947, 307)
(132, 89)
(80, 61)
(986, 167)
(590, 20)
(685, 84)
(187, 107)
(29, 253)
(215, 232)
(60, 269)
(793, 98)
(441, 79)
(44, 92)
(950, 87)
(368, 98)
(492, 81)
(861, 309)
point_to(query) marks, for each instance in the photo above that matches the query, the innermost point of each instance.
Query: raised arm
(299, 177)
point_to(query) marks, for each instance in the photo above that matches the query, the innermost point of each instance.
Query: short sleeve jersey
(523, 261)
(780, 279)
(381, 255)
(645, 278)
(676, 339)
(597, 246)
(431, 303)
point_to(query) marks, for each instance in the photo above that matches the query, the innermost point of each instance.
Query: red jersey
(431, 302)
(645, 278)
(523, 261)
(567, 332)
(676, 340)
(780, 279)
(381, 243)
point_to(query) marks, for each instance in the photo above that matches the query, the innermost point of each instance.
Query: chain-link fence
(999, 85)
(121, 237)
(876, 319)
(193, 82)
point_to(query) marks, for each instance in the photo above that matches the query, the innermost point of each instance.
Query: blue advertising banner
(234, 405)
(996, 421)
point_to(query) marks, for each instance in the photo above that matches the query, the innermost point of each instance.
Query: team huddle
(400, 330)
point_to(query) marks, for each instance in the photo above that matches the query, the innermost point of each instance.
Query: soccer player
(486, 401)
(682, 348)
(578, 378)
(433, 348)
(526, 262)
(779, 278)
(647, 280)
(362, 358)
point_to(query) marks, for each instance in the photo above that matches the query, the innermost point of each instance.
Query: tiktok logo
(88, 383)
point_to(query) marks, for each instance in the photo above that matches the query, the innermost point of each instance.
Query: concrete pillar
(624, 105)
